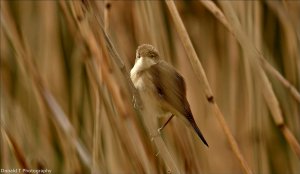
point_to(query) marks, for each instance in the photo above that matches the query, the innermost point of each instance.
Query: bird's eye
(152, 55)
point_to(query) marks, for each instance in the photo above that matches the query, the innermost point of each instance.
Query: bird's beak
(142, 59)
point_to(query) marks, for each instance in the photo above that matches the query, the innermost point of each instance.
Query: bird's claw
(136, 103)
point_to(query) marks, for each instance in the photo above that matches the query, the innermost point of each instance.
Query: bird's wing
(170, 87)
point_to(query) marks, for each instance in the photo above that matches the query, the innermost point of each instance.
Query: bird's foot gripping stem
(160, 129)
(134, 102)
(137, 103)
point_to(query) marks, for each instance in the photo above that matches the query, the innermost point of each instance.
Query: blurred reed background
(66, 96)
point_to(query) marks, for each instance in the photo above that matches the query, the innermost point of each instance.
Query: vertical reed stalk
(198, 69)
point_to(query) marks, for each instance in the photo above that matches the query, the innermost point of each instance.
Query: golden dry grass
(66, 94)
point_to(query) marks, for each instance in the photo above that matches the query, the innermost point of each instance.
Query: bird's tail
(200, 135)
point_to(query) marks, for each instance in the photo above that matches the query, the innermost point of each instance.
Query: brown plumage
(169, 86)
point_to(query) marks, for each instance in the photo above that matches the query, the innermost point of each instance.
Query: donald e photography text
(19, 170)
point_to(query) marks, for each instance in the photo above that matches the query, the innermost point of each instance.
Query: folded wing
(170, 87)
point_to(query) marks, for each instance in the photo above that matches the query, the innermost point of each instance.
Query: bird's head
(147, 51)
(146, 56)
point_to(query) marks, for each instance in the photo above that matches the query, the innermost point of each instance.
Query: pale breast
(143, 82)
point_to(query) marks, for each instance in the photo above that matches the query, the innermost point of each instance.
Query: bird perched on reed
(161, 86)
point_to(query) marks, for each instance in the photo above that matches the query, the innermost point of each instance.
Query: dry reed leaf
(252, 54)
(210, 5)
(197, 67)
(19, 154)
(58, 117)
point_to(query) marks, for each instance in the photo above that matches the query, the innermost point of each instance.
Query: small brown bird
(161, 85)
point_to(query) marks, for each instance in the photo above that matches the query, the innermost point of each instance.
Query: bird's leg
(137, 103)
(134, 102)
(161, 128)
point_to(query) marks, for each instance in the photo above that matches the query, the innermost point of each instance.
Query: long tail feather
(200, 135)
(194, 125)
